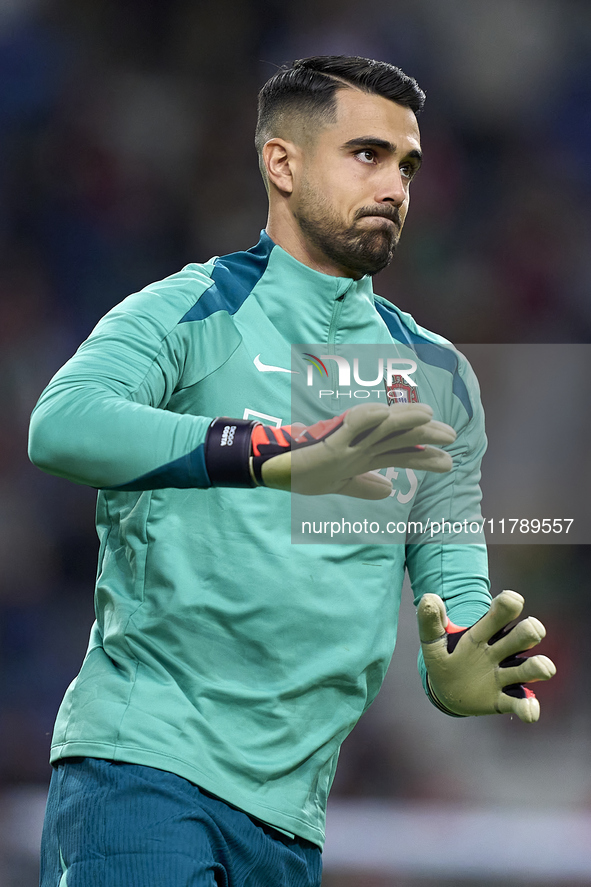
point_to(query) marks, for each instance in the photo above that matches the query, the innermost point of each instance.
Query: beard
(356, 249)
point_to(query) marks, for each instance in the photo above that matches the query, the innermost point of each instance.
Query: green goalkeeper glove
(339, 455)
(478, 670)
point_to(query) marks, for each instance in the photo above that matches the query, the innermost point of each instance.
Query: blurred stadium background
(126, 152)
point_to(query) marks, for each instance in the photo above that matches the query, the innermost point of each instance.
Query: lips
(394, 222)
(395, 219)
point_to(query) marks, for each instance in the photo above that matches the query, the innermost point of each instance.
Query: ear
(279, 157)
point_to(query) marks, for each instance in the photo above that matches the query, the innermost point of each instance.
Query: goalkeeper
(198, 743)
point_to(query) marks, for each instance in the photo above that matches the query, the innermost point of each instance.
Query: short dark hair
(308, 88)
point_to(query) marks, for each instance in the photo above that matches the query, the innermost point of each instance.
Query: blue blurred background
(126, 151)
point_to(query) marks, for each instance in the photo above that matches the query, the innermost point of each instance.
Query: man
(198, 744)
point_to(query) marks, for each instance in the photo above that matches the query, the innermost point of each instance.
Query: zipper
(337, 310)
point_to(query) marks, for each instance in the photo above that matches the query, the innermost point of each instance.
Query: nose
(393, 189)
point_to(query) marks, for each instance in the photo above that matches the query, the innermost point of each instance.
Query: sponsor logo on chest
(400, 392)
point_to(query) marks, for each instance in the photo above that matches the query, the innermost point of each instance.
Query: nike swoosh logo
(267, 368)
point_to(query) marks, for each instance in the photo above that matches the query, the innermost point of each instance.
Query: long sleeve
(108, 417)
(452, 562)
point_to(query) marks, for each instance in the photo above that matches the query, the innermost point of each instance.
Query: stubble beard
(356, 251)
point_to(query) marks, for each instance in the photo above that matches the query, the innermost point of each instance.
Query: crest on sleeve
(399, 391)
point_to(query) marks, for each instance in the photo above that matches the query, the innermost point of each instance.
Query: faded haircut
(304, 94)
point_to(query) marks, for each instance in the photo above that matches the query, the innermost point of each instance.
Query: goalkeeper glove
(333, 456)
(478, 670)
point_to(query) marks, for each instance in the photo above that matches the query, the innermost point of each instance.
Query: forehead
(360, 114)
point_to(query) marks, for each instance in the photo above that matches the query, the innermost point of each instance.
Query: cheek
(337, 200)
(345, 182)
(334, 189)
(404, 208)
(318, 187)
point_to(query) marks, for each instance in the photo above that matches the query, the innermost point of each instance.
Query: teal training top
(222, 651)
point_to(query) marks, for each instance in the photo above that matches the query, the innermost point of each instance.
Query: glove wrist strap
(227, 452)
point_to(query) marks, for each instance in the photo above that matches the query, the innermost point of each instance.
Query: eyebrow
(376, 142)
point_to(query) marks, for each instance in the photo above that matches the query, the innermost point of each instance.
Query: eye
(367, 155)
(409, 170)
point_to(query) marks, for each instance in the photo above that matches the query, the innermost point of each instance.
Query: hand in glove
(478, 670)
(339, 455)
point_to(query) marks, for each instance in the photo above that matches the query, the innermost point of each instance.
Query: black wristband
(227, 452)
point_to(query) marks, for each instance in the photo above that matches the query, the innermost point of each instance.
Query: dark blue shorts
(124, 825)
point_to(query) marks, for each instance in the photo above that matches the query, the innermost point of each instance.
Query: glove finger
(505, 607)
(533, 668)
(371, 425)
(366, 486)
(419, 459)
(523, 636)
(364, 416)
(432, 619)
(432, 432)
(526, 709)
(358, 423)
(429, 459)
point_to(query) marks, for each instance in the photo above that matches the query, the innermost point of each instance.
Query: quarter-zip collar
(307, 306)
(315, 283)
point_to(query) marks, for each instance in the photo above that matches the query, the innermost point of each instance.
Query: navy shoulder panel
(428, 352)
(234, 278)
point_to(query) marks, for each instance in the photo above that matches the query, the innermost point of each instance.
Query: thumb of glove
(432, 618)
